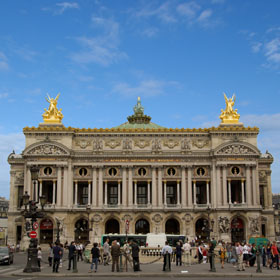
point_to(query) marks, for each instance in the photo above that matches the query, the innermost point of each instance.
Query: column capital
(164, 181)
(119, 181)
(243, 180)
(178, 181)
(149, 181)
(40, 180)
(105, 181)
(89, 181)
(229, 180)
(207, 181)
(194, 181)
(75, 181)
(135, 181)
(54, 180)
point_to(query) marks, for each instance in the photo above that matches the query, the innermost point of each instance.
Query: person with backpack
(95, 253)
(135, 256)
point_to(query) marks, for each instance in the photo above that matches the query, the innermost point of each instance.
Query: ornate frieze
(97, 145)
(83, 144)
(224, 224)
(141, 143)
(156, 146)
(236, 149)
(186, 145)
(157, 218)
(200, 143)
(47, 149)
(170, 143)
(113, 143)
(254, 225)
(127, 145)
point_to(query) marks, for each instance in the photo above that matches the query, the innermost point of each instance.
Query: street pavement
(147, 270)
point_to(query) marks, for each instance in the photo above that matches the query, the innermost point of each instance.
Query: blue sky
(179, 56)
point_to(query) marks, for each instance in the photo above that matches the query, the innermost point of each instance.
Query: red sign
(33, 234)
(46, 224)
(35, 225)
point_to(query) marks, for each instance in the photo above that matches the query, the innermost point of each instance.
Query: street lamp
(31, 212)
(58, 232)
(90, 228)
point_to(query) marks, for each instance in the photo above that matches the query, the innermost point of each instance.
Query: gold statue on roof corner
(229, 115)
(52, 115)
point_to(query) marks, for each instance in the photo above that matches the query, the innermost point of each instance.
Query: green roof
(138, 119)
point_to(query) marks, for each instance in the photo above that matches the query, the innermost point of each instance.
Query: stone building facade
(161, 180)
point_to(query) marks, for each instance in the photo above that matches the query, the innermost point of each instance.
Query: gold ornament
(229, 115)
(52, 115)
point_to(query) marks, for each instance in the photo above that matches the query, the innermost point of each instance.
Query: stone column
(213, 185)
(100, 186)
(229, 191)
(25, 183)
(248, 186)
(219, 190)
(224, 185)
(70, 198)
(149, 192)
(164, 195)
(76, 193)
(135, 193)
(106, 193)
(242, 191)
(29, 184)
(54, 191)
(207, 192)
(119, 193)
(190, 194)
(159, 186)
(35, 190)
(194, 192)
(183, 187)
(124, 187)
(58, 187)
(13, 203)
(94, 199)
(254, 186)
(40, 188)
(130, 188)
(178, 192)
(269, 191)
(265, 192)
(89, 192)
(154, 189)
(65, 186)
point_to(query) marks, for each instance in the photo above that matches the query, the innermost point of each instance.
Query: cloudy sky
(178, 55)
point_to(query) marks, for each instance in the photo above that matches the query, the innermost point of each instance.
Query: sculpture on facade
(254, 225)
(223, 224)
(229, 115)
(52, 115)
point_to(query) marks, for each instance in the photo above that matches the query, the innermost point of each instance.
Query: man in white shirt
(187, 253)
(166, 252)
(246, 252)
(239, 253)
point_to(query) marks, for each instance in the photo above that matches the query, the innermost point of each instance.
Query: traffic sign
(35, 225)
(33, 234)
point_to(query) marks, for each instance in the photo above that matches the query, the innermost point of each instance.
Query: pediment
(46, 149)
(237, 148)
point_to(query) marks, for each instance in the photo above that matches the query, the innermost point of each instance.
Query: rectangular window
(171, 193)
(112, 193)
(142, 193)
(82, 193)
(19, 197)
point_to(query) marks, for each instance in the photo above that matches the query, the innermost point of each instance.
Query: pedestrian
(71, 252)
(263, 253)
(135, 256)
(39, 256)
(204, 253)
(61, 257)
(229, 251)
(178, 254)
(187, 253)
(79, 248)
(17, 247)
(211, 254)
(199, 253)
(268, 254)
(274, 256)
(127, 254)
(166, 252)
(50, 255)
(233, 256)
(56, 257)
(239, 253)
(222, 254)
(246, 250)
(106, 252)
(115, 252)
(253, 255)
(95, 253)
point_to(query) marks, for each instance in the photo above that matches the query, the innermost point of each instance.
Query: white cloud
(188, 9)
(145, 88)
(272, 51)
(63, 6)
(256, 47)
(102, 49)
(205, 15)
(3, 62)
(4, 95)
(150, 32)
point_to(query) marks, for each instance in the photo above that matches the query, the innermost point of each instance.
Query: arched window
(81, 231)
(142, 226)
(46, 231)
(201, 227)
(112, 226)
(172, 226)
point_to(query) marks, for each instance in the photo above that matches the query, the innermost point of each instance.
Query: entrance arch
(46, 231)
(200, 232)
(237, 230)
(81, 231)
(172, 226)
(112, 226)
(142, 226)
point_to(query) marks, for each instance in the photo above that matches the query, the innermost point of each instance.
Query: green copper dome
(138, 119)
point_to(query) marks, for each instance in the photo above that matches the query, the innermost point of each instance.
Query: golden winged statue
(52, 115)
(229, 115)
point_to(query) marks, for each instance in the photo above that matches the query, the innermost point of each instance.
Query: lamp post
(31, 212)
(58, 232)
(90, 228)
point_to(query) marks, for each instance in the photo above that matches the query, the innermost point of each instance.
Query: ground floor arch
(46, 231)
(82, 231)
(172, 226)
(237, 230)
(112, 226)
(201, 227)
(142, 226)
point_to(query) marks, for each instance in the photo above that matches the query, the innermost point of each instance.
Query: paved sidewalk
(154, 270)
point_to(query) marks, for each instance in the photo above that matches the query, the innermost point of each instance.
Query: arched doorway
(81, 231)
(46, 231)
(142, 226)
(172, 226)
(200, 230)
(237, 230)
(112, 226)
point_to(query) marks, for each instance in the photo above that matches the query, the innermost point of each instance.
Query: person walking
(115, 253)
(200, 253)
(106, 252)
(178, 254)
(79, 248)
(50, 256)
(56, 257)
(135, 256)
(222, 254)
(274, 256)
(166, 252)
(39, 256)
(239, 253)
(253, 255)
(187, 253)
(95, 253)
(263, 253)
(71, 252)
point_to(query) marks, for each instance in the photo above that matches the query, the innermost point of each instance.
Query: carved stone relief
(224, 224)
(200, 143)
(61, 225)
(47, 149)
(127, 217)
(186, 145)
(157, 218)
(127, 144)
(156, 146)
(113, 143)
(187, 218)
(141, 143)
(262, 176)
(97, 145)
(236, 149)
(170, 143)
(83, 143)
(254, 225)
(19, 177)
(97, 218)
